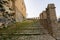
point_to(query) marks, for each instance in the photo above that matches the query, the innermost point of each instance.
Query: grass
(23, 24)
(16, 27)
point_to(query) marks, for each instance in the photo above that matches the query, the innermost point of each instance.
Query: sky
(35, 7)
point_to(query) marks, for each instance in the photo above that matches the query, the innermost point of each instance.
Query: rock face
(6, 13)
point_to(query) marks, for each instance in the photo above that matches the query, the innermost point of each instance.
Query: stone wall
(21, 7)
(48, 19)
(20, 10)
(19, 16)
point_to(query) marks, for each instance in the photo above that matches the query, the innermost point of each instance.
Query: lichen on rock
(6, 13)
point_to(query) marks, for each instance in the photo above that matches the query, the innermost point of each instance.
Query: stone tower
(48, 20)
(52, 19)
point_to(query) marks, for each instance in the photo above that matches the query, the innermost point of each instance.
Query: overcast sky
(35, 7)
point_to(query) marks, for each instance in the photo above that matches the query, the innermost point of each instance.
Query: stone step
(27, 37)
(31, 28)
(32, 31)
(36, 37)
(35, 28)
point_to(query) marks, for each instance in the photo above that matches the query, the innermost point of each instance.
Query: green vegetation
(24, 24)
(16, 27)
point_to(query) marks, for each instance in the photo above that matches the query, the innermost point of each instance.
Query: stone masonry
(49, 21)
(20, 10)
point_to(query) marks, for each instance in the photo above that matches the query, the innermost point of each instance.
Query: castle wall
(49, 20)
(20, 9)
(19, 16)
(21, 6)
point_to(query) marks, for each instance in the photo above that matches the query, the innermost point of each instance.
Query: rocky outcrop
(6, 13)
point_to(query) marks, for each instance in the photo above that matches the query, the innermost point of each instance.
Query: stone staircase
(32, 32)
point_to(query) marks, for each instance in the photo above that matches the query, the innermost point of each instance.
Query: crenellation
(51, 6)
